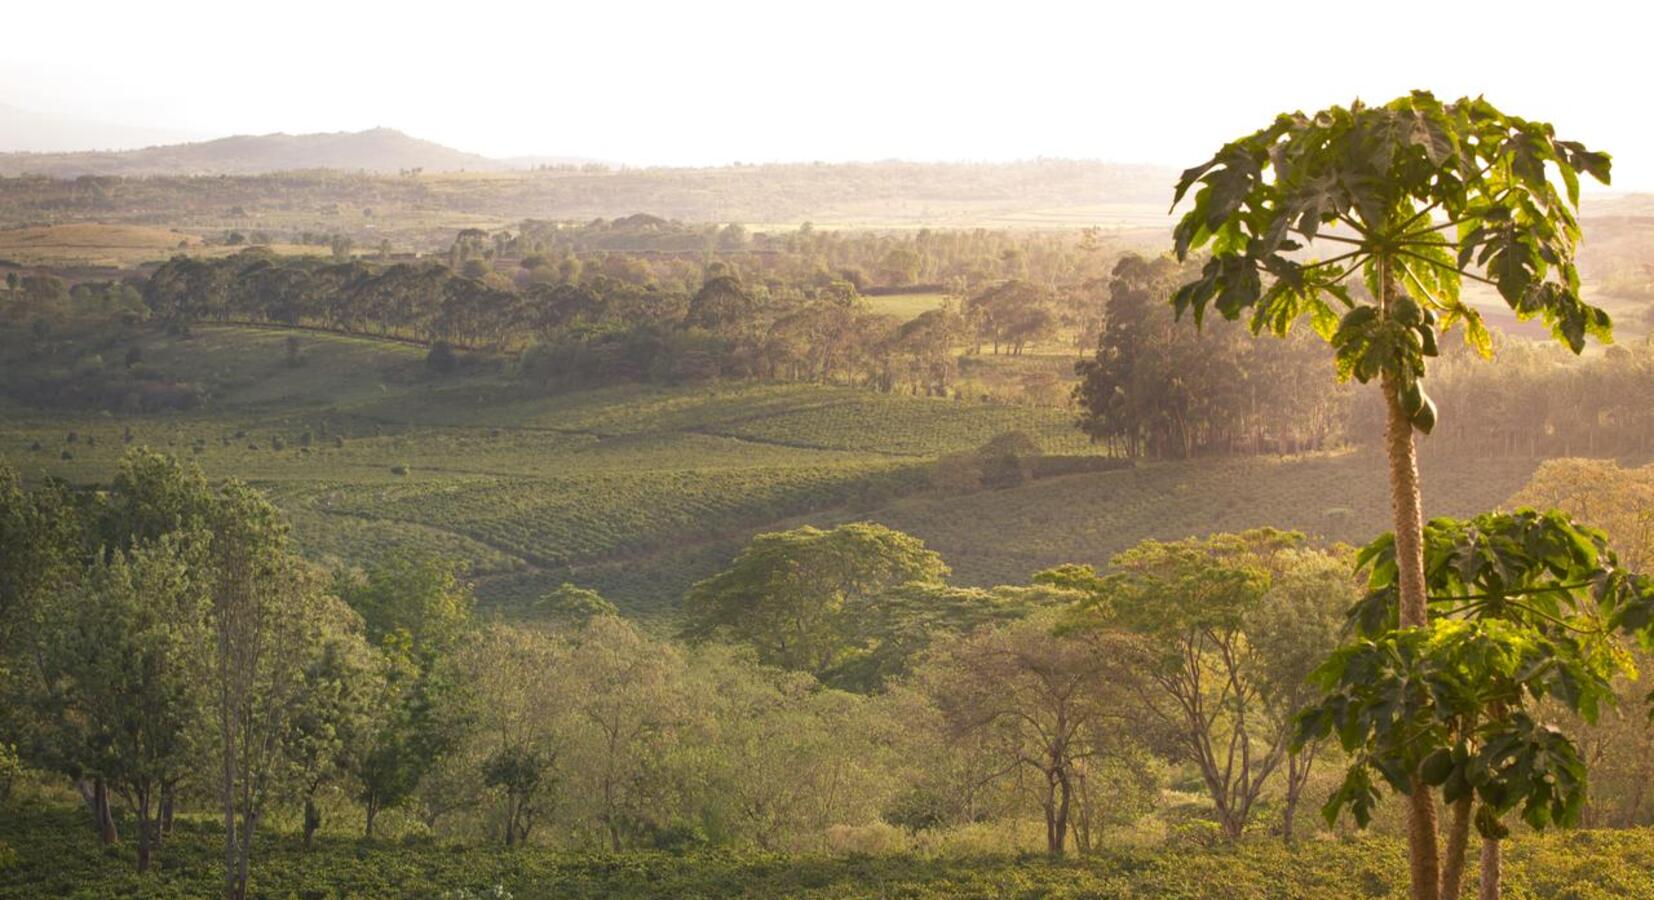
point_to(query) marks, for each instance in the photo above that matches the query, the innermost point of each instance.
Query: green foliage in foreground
(58, 856)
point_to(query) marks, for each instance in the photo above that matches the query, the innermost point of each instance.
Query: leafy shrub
(876, 838)
(11, 766)
(441, 359)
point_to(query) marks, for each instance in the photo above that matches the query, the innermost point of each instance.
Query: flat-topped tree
(1415, 196)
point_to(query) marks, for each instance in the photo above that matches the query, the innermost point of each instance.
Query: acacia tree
(626, 703)
(1041, 701)
(511, 691)
(1383, 184)
(802, 597)
(1200, 614)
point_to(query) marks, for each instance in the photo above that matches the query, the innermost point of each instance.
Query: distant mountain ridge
(378, 150)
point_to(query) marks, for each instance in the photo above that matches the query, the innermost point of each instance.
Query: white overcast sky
(691, 83)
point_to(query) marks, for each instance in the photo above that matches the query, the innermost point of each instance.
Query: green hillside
(641, 490)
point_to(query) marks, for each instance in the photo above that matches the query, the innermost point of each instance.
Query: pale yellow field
(905, 306)
(92, 244)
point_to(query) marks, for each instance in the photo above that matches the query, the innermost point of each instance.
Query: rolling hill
(640, 490)
(379, 150)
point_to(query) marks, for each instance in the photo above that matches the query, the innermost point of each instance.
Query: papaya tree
(1416, 196)
(1526, 606)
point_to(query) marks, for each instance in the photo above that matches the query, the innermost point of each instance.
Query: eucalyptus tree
(270, 614)
(1386, 185)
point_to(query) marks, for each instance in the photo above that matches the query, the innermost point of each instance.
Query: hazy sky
(713, 82)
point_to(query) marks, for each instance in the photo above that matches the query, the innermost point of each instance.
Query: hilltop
(379, 150)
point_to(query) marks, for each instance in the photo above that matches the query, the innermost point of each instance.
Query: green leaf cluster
(1527, 607)
(1372, 181)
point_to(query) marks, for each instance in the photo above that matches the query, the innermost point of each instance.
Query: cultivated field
(111, 246)
(640, 490)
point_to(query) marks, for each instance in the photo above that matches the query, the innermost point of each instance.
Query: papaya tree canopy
(1416, 196)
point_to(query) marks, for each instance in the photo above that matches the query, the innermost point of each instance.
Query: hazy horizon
(652, 84)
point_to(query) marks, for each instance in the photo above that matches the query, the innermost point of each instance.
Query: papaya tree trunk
(1458, 838)
(1490, 870)
(1408, 522)
(1489, 887)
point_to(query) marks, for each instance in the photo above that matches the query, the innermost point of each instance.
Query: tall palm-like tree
(1414, 197)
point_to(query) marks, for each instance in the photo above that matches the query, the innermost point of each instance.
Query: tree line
(1153, 389)
(165, 651)
(632, 315)
(1149, 389)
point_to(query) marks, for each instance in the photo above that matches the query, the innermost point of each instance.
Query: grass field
(117, 246)
(906, 306)
(53, 853)
(640, 490)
